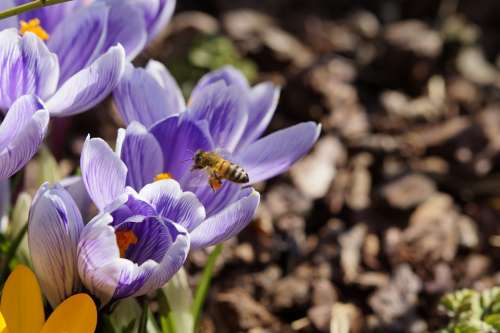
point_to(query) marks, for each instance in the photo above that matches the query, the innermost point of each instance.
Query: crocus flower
(139, 160)
(139, 243)
(68, 55)
(229, 115)
(21, 132)
(55, 224)
(131, 248)
(22, 308)
(224, 113)
(68, 84)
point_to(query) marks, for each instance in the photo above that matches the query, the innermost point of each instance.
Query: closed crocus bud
(55, 224)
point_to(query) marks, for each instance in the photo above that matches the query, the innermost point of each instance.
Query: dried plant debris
(395, 304)
(435, 232)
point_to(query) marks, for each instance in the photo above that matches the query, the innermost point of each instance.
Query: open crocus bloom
(224, 113)
(138, 161)
(131, 248)
(139, 242)
(72, 55)
(21, 133)
(22, 308)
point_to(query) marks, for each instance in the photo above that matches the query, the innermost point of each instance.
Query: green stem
(12, 252)
(144, 317)
(29, 6)
(204, 285)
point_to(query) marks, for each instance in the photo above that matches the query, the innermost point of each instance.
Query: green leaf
(204, 284)
(126, 314)
(11, 253)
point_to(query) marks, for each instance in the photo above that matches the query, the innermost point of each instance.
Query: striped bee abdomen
(237, 174)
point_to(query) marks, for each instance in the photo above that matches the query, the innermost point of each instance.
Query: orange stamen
(162, 176)
(125, 238)
(33, 26)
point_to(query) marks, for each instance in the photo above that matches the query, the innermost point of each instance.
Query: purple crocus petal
(133, 209)
(179, 139)
(275, 153)
(139, 97)
(9, 22)
(126, 26)
(141, 153)
(76, 188)
(176, 103)
(90, 86)
(51, 16)
(216, 201)
(99, 263)
(26, 67)
(172, 203)
(21, 133)
(104, 174)
(79, 39)
(158, 22)
(55, 224)
(19, 116)
(171, 262)
(228, 74)
(227, 223)
(263, 99)
(225, 111)
(153, 239)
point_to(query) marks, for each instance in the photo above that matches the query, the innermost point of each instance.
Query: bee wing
(225, 154)
(197, 178)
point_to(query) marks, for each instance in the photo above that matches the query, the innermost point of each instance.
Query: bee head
(198, 158)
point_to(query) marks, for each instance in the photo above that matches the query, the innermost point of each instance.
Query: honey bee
(218, 169)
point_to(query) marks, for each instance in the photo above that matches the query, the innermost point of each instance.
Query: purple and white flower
(224, 113)
(139, 159)
(21, 133)
(131, 248)
(68, 85)
(83, 57)
(140, 243)
(55, 224)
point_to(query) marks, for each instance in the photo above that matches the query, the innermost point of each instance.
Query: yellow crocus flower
(22, 308)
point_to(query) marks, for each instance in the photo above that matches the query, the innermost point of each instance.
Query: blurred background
(399, 202)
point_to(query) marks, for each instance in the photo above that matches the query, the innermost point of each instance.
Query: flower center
(33, 26)
(125, 238)
(162, 176)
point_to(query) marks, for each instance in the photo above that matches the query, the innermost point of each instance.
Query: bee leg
(214, 181)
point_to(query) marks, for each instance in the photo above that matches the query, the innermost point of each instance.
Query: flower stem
(12, 252)
(29, 6)
(144, 317)
(204, 284)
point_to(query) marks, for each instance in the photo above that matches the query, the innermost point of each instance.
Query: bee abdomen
(237, 174)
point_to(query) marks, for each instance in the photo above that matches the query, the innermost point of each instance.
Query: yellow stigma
(33, 26)
(162, 176)
(125, 238)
